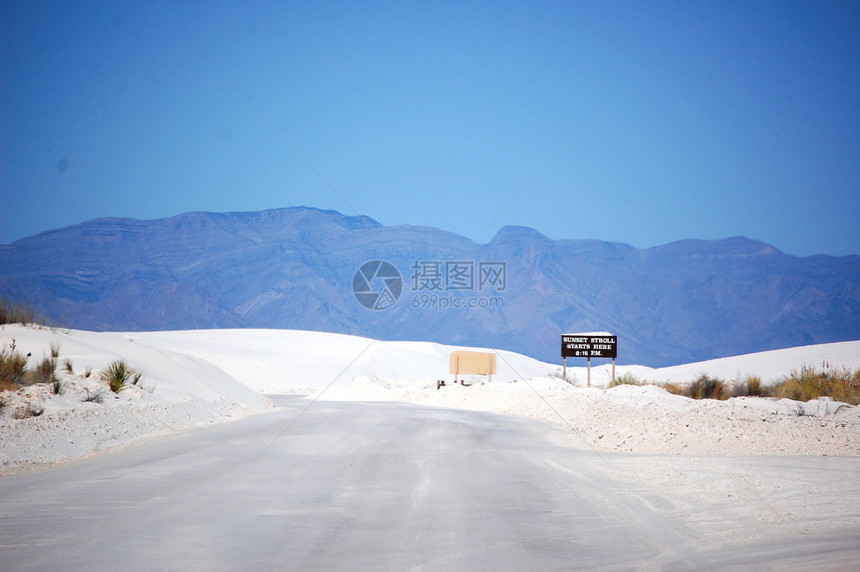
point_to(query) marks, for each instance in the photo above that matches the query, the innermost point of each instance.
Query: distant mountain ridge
(294, 268)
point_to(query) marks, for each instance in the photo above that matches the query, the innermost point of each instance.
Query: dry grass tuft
(840, 384)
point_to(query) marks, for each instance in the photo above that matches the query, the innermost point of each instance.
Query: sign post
(600, 345)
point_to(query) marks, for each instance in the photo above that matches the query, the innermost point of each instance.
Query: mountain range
(303, 268)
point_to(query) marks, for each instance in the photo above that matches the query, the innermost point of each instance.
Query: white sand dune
(193, 378)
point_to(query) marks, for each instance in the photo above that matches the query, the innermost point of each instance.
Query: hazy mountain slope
(294, 268)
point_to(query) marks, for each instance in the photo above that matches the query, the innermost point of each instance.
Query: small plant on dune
(704, 387)
(15, 313)
(626, 379)
(673, 388)
(13, 366)
(32, 410)
(55, 350)
(809, 383)
(845, 386)
(88, 371)
(119, 374)
(45, 372)
(750, 386)
(801, 385)
(708, 388)
(93, 397)
(753, 385)
(67, 364)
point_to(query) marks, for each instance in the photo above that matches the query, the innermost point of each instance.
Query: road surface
(363, 486)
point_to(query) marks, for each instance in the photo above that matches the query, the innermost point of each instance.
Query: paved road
(359, 486)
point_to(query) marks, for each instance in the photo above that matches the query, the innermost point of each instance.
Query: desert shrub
(93, 397)
(67, 365)
(674, 388)
(119, 374)
(45, 372)
(15, 313)
(751, 385)
(55, 350)
(703, 388)
(810, 383)
(706, 387)
(801, 385)
(626, 379)
(32, 410)
(13, 366)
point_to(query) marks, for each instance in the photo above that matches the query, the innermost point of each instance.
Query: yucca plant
(119, 374)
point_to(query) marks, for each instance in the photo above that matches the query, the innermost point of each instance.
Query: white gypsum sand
(193, 378)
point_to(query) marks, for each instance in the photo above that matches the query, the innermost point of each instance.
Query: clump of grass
(88, 371)
(13, 366)
(32, 410)
(55, 350)
(751, 385)
(67, 365)
(94, 397)
(119, 374)
(15, 313)
(704, 387)
(626, 379)
(840, 384)
(673, 388)
(44, 372)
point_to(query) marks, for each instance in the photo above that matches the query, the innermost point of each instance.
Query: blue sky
(688, 119)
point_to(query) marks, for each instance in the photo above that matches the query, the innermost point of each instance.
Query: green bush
(119, 374)
(13, 366)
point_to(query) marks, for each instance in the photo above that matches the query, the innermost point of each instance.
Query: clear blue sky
(694, 119)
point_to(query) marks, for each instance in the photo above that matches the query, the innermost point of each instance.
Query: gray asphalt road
(354, 486)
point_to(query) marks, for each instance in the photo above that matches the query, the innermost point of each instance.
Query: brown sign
(479, 363)
(589, 346)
